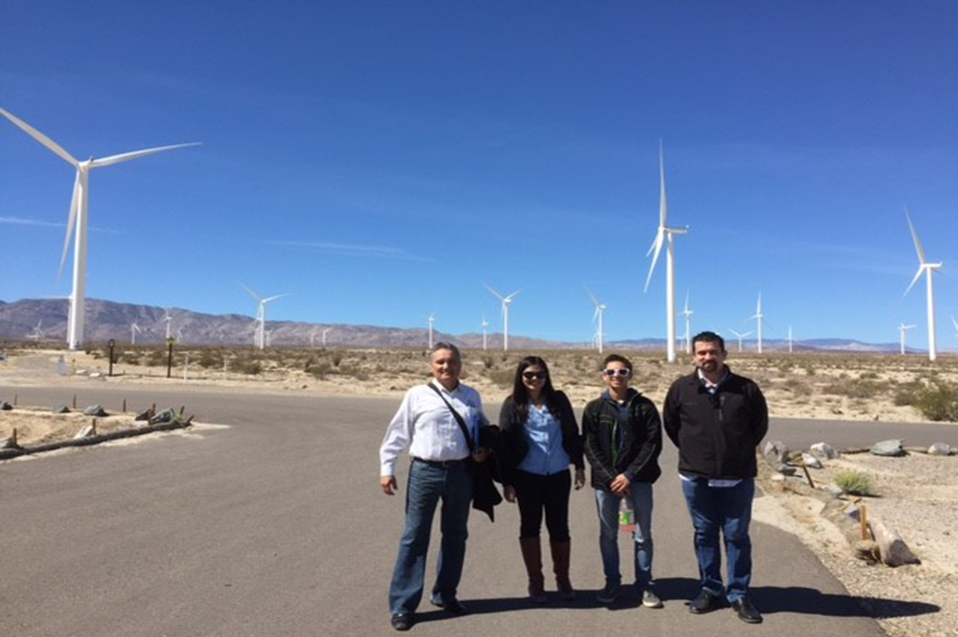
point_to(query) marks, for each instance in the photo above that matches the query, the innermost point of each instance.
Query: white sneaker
(650, 599)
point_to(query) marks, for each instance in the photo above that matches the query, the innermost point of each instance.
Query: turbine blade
(496, 294)
(509, 298)
(915, 280)
(273, 298)
(251, 293)
(595, 301)
(71, 221)
(40, 137)
(657, 246)
(116, 159)
(663, 203)
(596, 315)
(914, 236)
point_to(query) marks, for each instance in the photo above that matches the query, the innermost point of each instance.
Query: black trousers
(543, 493)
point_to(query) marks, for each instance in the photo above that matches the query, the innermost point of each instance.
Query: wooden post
(182, 409)
(15, 397)
(808, 476)
(863, 510)
(124, 406)
(74, 401)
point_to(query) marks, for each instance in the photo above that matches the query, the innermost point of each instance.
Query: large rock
(891, 546)
(811, 461)
(86, 431)
(775, 452)
(889, 448)
(823, 451)
(61, 409)
(939, 449)
(167, 415)
(786, 469)
(95, 410)
(5, 406)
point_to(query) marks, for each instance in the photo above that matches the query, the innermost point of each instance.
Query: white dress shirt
(425, 425)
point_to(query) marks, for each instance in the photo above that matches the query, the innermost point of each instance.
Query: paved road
(276, 526)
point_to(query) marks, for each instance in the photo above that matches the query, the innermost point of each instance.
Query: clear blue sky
(381, 160)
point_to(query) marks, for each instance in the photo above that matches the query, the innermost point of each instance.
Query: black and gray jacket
(615, 445)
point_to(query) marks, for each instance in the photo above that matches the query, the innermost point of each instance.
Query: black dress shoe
(454, 606)
(402, 621)
(746, 612)
(706, 602)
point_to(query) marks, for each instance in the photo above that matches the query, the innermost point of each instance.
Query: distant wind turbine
(928, 269)
(902, 328)
(432, 319)
(168, 320)
(506, 302)
(79, 209)
(740, 337)
(758, 317)
(36, 334)
(134, 328)
(599, 311)
(664, 235)
(484, 325)
(687, 313)
(325, 332)
(312, 338)
(789, 339)
(261, 315)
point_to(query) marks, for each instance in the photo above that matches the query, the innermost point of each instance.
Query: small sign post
(169, 357)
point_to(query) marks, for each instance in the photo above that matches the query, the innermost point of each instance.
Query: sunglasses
(535, 375)
(622, 371)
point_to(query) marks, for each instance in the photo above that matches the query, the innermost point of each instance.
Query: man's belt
(440, 463)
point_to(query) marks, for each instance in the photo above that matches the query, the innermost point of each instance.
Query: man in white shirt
(440, 470)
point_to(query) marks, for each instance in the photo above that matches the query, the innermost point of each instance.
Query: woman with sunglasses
(539, 440)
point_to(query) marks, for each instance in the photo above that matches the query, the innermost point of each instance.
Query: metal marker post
(111, 344)
(169, 357)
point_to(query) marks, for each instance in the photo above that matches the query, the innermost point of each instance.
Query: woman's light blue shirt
(546, 453)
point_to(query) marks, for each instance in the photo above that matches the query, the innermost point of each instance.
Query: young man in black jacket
(623, 439)
(716, 419)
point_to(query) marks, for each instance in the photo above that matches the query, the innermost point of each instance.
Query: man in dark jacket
(716, 419)
(623, 439)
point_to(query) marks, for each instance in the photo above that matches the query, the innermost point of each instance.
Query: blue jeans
(727, 510)
(427, 485)
(608, 504)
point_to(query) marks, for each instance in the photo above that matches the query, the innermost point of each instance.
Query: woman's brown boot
(560, 565)
(532, 556)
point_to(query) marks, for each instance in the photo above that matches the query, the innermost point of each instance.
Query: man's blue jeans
(727, 510)
(608, 504)
(427, 485)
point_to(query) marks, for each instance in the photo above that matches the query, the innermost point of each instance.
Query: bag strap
(459, 418)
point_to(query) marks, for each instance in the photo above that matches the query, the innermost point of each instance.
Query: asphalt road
(276, 526)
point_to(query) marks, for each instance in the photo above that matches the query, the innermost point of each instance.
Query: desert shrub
(502, 377)
(938, 402)
(336, 358)
(907, 394)
(156, 358)
(854, 482)
(861, 389)
(251, 367)
(208, 359)
(488, 362)
(319, 370)
(869, 376)
(130, 358)
(355, 371)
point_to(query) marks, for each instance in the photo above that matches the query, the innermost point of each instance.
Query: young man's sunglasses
(622, 371)
(535, 375)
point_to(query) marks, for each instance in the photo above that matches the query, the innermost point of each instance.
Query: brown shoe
(532, 557)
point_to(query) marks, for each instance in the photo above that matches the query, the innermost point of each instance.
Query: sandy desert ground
(915, 494)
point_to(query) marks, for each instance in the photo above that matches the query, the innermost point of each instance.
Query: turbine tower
(168, 320)
(758, 317)
(312, 338)
(928, 269)
(134, 328)
(664, 235)
(599, 311)
(260, 336)
(902, 328)
(484, 325)
(506, 302)
(740, 337)
(789, 339)
(325, 332)
(431, 319)
(687, 313)
(79, 212)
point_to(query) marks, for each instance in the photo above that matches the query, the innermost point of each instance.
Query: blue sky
(380, 160)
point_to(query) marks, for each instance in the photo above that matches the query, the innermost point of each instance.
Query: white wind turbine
(484, 325)
(168, 320)
(79, 211)
(432, 319)
(687, 313)
(740, 337)
(599, 311)
(260, 336)
(179, 335)
(664, 235)
(312, 338)
(758, 317)
(325, 332)
(37, 333)
(506, 302)
(789, 339)
(902, 328)
(928, 269)
(134, 328)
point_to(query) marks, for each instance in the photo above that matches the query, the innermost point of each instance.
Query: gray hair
(449, 346)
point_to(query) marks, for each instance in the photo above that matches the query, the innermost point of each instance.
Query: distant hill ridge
(109, 319)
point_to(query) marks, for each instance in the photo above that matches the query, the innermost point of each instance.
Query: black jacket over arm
(514, 444)
(716, 433)
(638, 454)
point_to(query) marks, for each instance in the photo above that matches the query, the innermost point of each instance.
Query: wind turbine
(312, 338)
(179, 335)
(168, 320)
(431, 319)
(269, 338)
(664, 235)
(37, 333)
(687, 313)
(134, 328)
(902, 328)
(506, 302)
(261, 315)
(740, 337)
(325, 332)
(758, 317)
(789, 339)
(484, 324)
(928, 269)
(599, 311)
(79, 211)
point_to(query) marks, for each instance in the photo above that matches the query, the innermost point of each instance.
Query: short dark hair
(708, 337)
(449, 346)
(617, 358)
